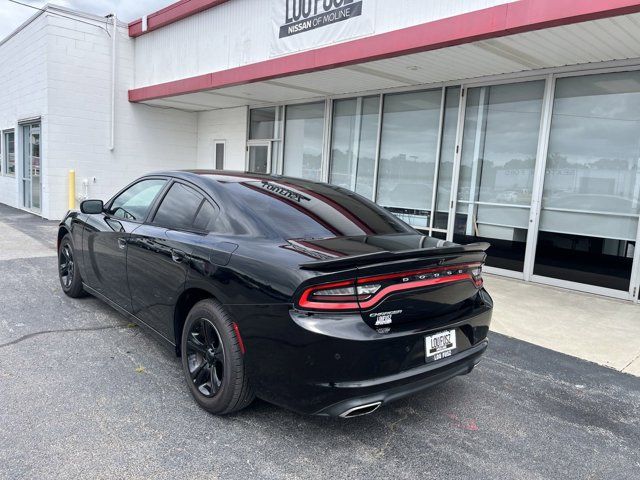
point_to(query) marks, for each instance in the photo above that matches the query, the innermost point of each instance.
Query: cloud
(13, 15)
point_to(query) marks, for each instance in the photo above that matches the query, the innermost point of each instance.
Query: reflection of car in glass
(591, 202)
(301, 293)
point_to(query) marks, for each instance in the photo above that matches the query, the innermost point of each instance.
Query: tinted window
(297, 210)
(178, 208)
(205, 217)
(135, 202)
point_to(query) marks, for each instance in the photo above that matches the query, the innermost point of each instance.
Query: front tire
(213, 361)
(68, 272)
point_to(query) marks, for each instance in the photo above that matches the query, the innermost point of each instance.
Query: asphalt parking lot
(85, 394)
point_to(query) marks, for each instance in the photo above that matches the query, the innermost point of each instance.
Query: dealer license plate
(440, 345)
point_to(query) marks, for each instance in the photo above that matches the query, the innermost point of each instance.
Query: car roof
(228, 176)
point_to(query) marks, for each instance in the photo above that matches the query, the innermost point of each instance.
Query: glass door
(497, 163)
(590, 204)
(31, 167)
(258, 157)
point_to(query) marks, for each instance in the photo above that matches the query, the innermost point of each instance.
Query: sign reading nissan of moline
(307, 24)
(305, 15)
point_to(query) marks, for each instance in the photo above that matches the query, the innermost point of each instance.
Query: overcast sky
(13, 15)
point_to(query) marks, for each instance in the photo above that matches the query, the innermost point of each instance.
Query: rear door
(160, 254)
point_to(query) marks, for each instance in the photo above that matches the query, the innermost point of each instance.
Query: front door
(106, 239)
(159, 256)
(31, 167)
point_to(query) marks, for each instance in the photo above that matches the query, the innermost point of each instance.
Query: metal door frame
(26, 157)
(260, 143)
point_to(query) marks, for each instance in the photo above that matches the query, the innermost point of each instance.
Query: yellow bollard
(72, 189)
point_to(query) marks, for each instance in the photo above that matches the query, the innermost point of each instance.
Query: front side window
(9, 157)
(134, 203)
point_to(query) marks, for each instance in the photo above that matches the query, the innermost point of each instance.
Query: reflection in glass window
(354, 140)
(593, 147)
(135, 202)
(591, 198)
(408, 154)
(303, 141)
(500, 143)
(258, 158)
(499, 149)
(178, 208)
(262, 123)
(299, 209)
(9, 153)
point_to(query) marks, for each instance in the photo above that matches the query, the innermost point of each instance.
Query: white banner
(306, 24)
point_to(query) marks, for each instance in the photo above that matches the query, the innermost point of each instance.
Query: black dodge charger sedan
(304, 294)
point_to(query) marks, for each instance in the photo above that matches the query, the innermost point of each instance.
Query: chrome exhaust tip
(361, 410)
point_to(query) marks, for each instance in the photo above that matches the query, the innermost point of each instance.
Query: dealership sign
(304, 15)
(304, 24)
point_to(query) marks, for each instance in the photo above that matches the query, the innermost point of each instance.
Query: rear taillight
(368, 291)
(337, 296)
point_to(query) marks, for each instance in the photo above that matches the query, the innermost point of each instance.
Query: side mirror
(92, 207)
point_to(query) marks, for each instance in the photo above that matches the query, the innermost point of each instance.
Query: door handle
(122, 243)
(177, 256)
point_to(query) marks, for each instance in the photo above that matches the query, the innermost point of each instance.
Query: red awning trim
(512, 18)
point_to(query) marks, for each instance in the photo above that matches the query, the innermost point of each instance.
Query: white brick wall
(59, 70)
(23, 80)
(230, 125)
(147, 139)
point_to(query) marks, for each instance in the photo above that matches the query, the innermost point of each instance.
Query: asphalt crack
(67, 330)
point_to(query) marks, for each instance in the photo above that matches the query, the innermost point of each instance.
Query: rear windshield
(301, 210)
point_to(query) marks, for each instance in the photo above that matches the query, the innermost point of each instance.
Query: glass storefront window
(499, 149)
(9, 153)
(408, 154)
(353, 144)
(304, 135)
(262, 123)
(591, 198)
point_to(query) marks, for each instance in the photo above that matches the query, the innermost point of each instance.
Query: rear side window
(134, 203)
(179, 208)
(205, 217)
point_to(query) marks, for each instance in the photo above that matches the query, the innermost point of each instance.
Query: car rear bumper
(383, 390)
(324, 365)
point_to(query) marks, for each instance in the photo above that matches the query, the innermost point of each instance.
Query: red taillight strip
(411, 285)
(306, 303)
(390, 276)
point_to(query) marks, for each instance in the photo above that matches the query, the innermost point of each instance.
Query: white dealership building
(514, 122)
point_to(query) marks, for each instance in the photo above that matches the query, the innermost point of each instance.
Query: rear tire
(68, 271)
(212, 360)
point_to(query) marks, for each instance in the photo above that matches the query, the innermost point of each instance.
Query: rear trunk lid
(400, 279)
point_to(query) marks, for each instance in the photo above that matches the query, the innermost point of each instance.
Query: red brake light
(368, 291)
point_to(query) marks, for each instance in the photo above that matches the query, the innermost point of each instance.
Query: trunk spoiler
(388, 256)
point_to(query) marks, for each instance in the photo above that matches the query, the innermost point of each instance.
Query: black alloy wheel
(66, 266)
(213, 359)
(205, 357)
(68, 271)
